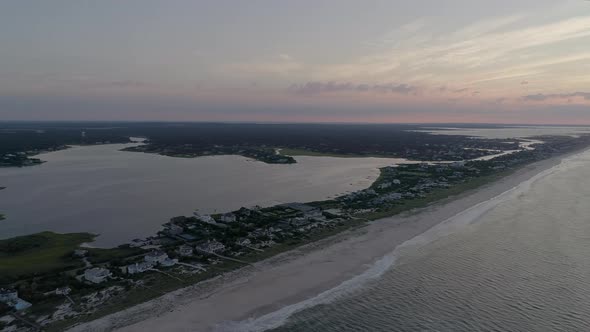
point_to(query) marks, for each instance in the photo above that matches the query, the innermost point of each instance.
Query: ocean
(518, 262)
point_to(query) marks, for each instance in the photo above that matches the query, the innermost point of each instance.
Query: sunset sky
(502, 61)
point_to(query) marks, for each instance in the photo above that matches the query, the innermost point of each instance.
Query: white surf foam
(469, 216)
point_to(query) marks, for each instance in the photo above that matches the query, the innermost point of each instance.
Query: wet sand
(293, 280)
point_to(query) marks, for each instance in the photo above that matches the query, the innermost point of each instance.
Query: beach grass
(39, 253)
(102, 255)
(436, 196)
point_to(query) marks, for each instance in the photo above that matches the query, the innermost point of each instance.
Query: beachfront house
(97, 275)
(167, 262)
(155, 257)
(228, 217)
(139, 267)
(10, 297)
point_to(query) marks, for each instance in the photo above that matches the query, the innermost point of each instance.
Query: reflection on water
(123, 195)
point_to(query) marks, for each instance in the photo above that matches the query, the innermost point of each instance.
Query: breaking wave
(467, 217)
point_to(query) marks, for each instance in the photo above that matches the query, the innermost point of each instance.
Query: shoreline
(300, 274)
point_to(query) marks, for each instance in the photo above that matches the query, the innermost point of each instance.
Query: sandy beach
(262, 296)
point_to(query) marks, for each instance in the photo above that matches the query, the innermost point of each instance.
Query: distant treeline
(382, 140)
(197, 138)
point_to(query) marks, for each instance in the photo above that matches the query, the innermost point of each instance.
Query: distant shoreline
(303, 273)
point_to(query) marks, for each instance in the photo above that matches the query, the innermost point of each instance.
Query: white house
(228, 217)
(96, 275)
(63, 290)
(205, 218)
(244, 242)
(155, 257)
(139, 267)
(169, 262)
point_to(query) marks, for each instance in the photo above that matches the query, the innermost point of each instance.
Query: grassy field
(100, 255)
(435, 196)
(39, 253)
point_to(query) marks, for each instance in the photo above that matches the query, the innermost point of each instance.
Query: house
(298, 222)
(167, 262)
(97, 275)
(244, 212)
(205, 218)
(185, 250)
(155, 257)
(384, 185)
(228, 217)
(266, 244)
(80, 252)
(8, 294)
(333, 212)
(244, 242)
(458, 164)
(174, 229)
(63, 290)
(11, 299)
(211, 247)
(139, 267)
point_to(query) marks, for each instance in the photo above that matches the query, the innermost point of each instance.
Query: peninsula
(193, 249)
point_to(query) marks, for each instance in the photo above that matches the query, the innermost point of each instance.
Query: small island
(263, 154)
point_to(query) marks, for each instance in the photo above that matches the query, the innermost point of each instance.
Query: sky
(501, 61)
